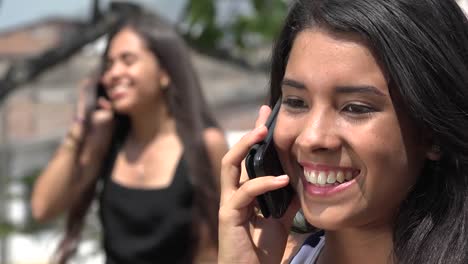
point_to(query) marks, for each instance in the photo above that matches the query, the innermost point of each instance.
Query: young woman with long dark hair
(372, 134)
(153, 147)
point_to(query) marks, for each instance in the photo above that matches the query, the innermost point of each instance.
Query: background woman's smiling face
(133, 73)
(338, 119)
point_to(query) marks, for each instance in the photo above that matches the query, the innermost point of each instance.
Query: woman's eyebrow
(362, 89)
(293, 84)
(127, 54)
(347, 89)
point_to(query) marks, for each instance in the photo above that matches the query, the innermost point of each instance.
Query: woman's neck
(148, 124)
(366, 245)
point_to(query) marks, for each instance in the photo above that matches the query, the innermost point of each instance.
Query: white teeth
(327, 177)
(340, 177)
(322, 178)
(313, 177)
(119, 87)
(349, 176)
(331, 177)
(307, 175)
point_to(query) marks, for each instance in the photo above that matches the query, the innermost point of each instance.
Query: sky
(17, 12)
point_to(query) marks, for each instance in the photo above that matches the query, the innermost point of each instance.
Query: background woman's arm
(69, 172)
(217, 147)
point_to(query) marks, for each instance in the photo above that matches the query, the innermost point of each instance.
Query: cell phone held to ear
(262, 160)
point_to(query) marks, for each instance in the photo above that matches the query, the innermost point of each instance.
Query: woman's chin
(326, 219)
(325, 225)
(122, 108)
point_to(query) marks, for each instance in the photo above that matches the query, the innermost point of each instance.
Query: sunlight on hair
(464, 5)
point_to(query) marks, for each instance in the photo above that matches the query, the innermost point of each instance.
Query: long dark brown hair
(423, 46)
(190, 111)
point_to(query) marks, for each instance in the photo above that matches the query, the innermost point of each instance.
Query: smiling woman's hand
(244, 235)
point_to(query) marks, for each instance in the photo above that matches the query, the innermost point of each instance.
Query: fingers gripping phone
(262, 160)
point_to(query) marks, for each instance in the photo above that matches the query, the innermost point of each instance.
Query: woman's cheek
(284, 137)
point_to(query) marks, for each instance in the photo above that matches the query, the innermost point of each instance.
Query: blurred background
(48, 46)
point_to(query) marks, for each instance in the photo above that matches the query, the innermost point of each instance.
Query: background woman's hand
(244, 235)
(101, 128)
(69, 177)
(98, 122)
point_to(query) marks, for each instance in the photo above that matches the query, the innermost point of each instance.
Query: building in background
(36, 116)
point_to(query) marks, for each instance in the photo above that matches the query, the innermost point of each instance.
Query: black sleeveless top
(148, 225)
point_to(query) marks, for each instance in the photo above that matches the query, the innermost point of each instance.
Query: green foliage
(6, 228)
(29, 226)
(248, 31)
(264, 22)
(202, 18)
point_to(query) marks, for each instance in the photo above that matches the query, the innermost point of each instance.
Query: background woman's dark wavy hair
(423, 48)
(190, 111)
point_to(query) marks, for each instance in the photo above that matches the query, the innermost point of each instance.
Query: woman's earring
(434, 153)
(164, 82)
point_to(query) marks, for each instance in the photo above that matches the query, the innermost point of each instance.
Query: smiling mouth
(117, 91)
(329, 177)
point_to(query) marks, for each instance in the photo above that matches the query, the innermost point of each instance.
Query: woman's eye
(108, 65)
(294, 103)
(358, 109)
(128, 59)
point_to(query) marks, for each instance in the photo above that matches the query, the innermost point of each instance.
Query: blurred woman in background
(151, 144)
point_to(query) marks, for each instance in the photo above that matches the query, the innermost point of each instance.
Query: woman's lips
(117, 95)
(118, 91)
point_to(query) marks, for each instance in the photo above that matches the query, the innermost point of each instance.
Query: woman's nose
(115, 71)
(320, 132)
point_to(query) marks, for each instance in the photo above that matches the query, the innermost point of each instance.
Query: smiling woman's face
(352, 155)
(132, 74)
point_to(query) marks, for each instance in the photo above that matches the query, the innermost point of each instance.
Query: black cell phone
(262, 160)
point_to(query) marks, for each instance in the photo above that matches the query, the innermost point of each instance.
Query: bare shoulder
(216, 146)
(214, 139)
